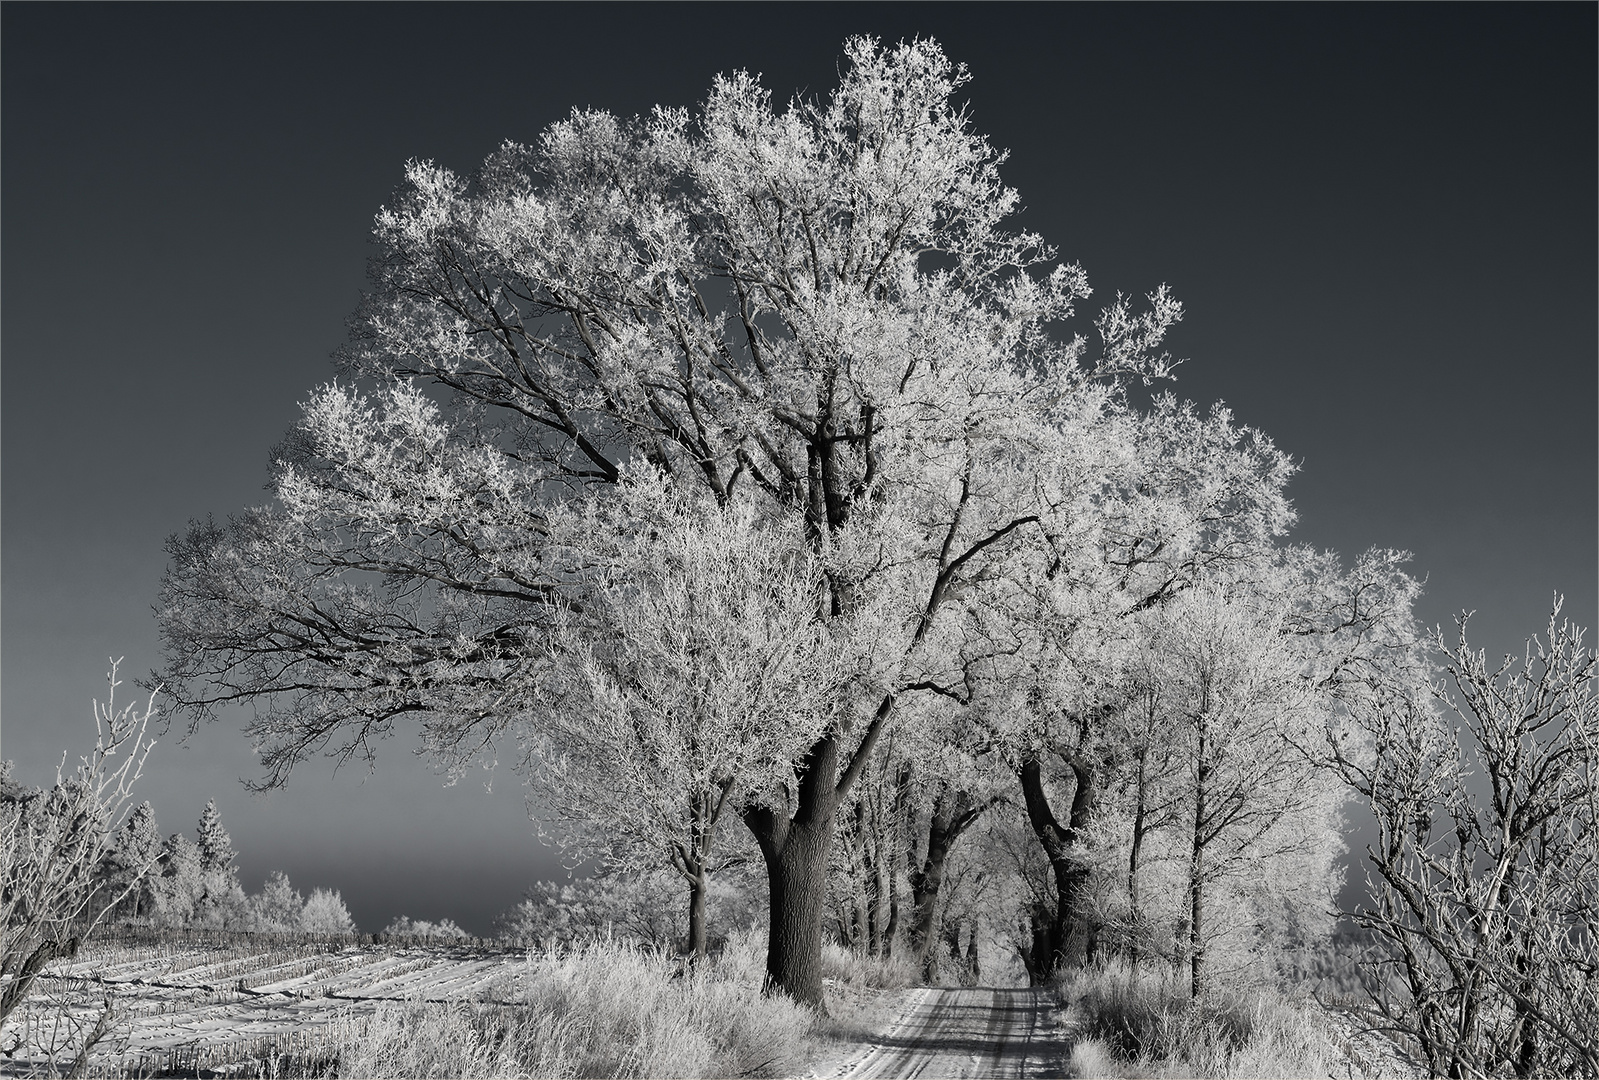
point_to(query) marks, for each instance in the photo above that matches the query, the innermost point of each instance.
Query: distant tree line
(179, 882)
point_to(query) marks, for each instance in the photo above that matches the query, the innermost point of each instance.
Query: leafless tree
(53, 891)
(1485, 873)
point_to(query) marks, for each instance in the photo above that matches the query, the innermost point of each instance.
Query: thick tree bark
(796, 868)
(697, 888)
(1071, 876)
(795, 849)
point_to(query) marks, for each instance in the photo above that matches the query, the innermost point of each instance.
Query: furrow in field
(235, 1021)
(155, 963)
(423, 981)
(461, 980)
(312, 977)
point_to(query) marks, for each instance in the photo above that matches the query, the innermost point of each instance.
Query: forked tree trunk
(951, 817)
(693, 860)
(796, 872)
(1071, 876)
(795, 849)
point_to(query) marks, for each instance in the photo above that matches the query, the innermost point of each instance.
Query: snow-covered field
(209, 1006)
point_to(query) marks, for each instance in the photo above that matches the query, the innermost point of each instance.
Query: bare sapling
(53, 844)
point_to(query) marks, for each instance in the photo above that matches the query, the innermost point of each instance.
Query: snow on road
(948, 1033)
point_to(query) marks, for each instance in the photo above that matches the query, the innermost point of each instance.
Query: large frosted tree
(815, 307)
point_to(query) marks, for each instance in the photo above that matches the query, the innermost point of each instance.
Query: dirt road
(947, 1033)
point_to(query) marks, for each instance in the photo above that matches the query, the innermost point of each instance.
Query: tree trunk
(881, 893)
(1038, 957)
(1134, 914)
(951, 817)
(952, 941)
(17, 989)
(1196, 881)
(694, 863)
(893, 912)
(925, 884)
(1071, 877)
(870, 883)
(1196, 941)
(697, 888)
(795, 849)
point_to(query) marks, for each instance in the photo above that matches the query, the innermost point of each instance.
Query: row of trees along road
(702, 453)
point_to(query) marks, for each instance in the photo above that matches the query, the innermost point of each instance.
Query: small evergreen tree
(179, 886)
(212, 840)
(220, 899)
(278, 906)
(135, 851)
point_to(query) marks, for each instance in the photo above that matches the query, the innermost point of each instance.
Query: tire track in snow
(971, 1032)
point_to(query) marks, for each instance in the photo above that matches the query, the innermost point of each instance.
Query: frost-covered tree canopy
(690, 448)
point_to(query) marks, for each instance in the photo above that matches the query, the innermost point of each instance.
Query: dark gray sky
(1381, 219)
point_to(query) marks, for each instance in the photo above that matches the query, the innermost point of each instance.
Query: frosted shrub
(863, 971)
(635, 908)
(1148, 1022)
(53, 894)
(325, 913)
(404, 926)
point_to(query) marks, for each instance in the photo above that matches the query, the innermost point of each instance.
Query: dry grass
(1131, 1025)
(599, 1009)
(845, 967)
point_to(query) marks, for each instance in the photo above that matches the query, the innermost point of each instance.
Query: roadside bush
(861, 970)
(1149, 1027)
